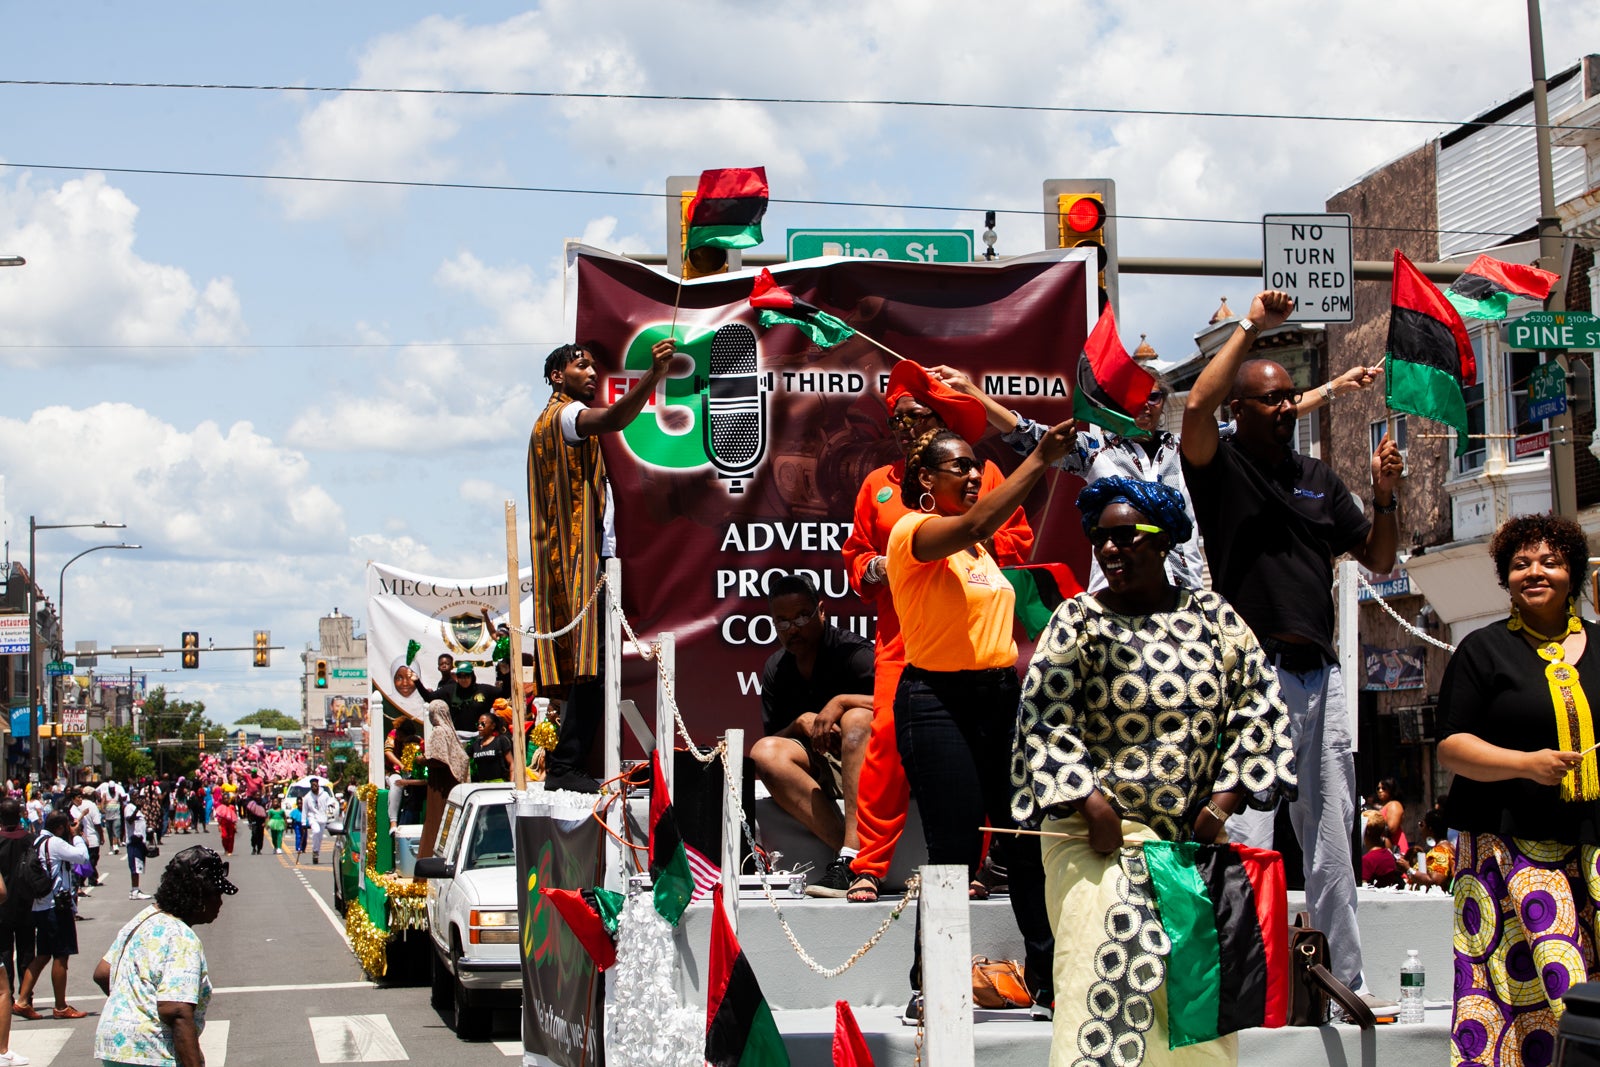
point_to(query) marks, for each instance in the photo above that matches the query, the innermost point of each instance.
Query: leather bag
(998, 984)
(1312, 987)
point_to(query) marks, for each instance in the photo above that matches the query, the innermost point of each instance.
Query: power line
(312, 346)
(549, 190)
(685, 98)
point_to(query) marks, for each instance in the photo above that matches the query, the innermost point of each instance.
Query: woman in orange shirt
(955, 710)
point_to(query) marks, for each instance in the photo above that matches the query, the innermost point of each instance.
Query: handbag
(998, 984)
(1312, 987)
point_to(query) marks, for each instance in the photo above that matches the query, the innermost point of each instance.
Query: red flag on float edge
(586, 923)
(1112, 388)
(669, 862)
(727, 209)
(740, 1030)
(849, 1047)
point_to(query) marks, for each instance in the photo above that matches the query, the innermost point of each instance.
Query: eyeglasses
(1277, 398)
(1121, 536)
(1156, 396)
(783, 626)
(961, 467)
(909, 419)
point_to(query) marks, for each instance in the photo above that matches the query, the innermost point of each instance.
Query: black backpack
(27, 882)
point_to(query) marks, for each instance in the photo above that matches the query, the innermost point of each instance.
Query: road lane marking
(333, 918)
(214, 1043)
(238, 989)
(510, 1048)
(356, 1039)
(40, 1046)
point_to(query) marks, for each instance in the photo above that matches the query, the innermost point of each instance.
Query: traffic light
(263, 655)
(202, 742)
(702, 261)
(191, 650)
(322, 674)
(1082, 214)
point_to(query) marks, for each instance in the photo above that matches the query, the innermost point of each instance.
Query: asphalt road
(288, 990)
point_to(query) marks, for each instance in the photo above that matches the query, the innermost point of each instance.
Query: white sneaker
(13, 1059)
(136, 895)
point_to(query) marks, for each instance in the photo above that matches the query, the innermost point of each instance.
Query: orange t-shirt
(955, 613)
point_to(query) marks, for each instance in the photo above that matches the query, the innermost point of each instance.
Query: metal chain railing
(1406, 626)
(650, 652)
(576, 619)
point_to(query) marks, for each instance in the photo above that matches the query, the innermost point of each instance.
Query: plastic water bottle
(1412, 982)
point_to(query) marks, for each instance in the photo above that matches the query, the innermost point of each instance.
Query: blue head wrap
(1161, 504)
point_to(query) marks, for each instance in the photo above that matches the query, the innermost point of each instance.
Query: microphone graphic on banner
(734, 405)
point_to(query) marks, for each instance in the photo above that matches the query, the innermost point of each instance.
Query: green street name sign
(912, 246)
(349, 672)
(1555, 331)
(56, 668)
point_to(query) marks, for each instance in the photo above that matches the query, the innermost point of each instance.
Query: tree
(127, 762)
(184, 720)
(271, 718)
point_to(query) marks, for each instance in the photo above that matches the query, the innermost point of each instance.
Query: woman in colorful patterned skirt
(1517, 730)
(1149, 713)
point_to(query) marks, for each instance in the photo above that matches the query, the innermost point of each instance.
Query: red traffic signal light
(191, 649)
(322, 674)
(1082, 213)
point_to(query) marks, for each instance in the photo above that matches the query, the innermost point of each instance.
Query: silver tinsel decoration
(646, 1025)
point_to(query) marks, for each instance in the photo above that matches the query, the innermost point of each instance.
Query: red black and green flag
(727, 209)
(1485, 288)
(1429, 362)
(669, 863)
(779, 307)
(740, 1031)
(592, 915)
(1112, 387)
(1225, 912)
(1040, 589)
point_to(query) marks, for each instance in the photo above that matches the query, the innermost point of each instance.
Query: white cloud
(85, 284)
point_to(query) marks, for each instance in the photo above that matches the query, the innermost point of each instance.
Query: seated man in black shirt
(816, 711)
(467, 698)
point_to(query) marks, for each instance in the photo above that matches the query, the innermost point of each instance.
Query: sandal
(976, 890)
(864, 890)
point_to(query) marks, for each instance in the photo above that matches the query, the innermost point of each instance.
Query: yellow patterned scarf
(1574, 719)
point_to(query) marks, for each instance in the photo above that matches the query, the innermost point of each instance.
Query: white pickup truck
(472, 907)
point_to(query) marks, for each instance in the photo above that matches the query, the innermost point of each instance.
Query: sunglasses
(909, 419)
(783, 626)
(1277, 398)
(961, 466)
(1121, 536)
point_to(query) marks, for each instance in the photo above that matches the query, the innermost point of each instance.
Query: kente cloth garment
(1111, 957)
(1156, 711)
(566, 499)
(1524, 935)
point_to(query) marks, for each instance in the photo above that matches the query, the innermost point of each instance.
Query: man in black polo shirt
(1273, 522)
(816, 712)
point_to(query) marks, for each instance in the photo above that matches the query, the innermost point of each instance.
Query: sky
(272, 382)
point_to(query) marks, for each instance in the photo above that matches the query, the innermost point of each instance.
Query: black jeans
(585, 708)
(955, 731)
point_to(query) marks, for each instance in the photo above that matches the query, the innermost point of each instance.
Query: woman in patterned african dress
(1516, 726)
(1149, 712)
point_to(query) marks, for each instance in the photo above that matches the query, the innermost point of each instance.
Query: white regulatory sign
(1310, 257)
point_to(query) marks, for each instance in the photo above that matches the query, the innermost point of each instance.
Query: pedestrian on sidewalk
(16, 919)
(154, 974)
(87, 815)
(55, 918)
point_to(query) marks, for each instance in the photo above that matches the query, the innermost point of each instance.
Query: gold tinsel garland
(408, 757)
(368, 942)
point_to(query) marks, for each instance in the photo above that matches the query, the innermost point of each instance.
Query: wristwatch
(1247, 325)
(1216, 812)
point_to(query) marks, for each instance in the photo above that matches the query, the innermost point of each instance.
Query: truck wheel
(442, 994)
(472, 1023)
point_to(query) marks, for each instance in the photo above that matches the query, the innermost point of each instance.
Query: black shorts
(16, 943)
(55, 933)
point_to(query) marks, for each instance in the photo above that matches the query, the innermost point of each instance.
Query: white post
(1350, 645)
(732, 823)
(613, 720)
(946, 967)
(666, 735)
(375, 767)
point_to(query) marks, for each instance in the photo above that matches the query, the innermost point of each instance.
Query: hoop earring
(925, 502)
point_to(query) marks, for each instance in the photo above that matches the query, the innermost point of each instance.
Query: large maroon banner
(710, 507)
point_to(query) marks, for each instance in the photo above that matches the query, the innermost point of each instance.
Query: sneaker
(835, 882)
(913, 1013)
(68, 1012)
(315, 858)
(13, 1059)
(1043, 1008)
(136, 895)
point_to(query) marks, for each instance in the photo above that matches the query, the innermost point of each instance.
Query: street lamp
(61, 622)
(34, 526)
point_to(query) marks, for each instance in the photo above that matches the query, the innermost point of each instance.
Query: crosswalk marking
(510, 1048)
(214, 1043)
(356, 1039)
(40, 1046)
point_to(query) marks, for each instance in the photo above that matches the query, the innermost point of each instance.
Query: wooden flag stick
(879, 345)
(519, 752)
(1047, 833)
(677, 297)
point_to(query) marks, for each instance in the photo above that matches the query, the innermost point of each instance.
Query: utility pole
(1563, 477)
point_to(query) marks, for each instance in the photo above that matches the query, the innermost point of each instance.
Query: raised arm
(1199, 440)
(1000, 417)
(945, 535)
(594, 421)
(1353, 380)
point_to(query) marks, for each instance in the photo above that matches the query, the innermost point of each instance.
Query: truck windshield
(490, 845)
